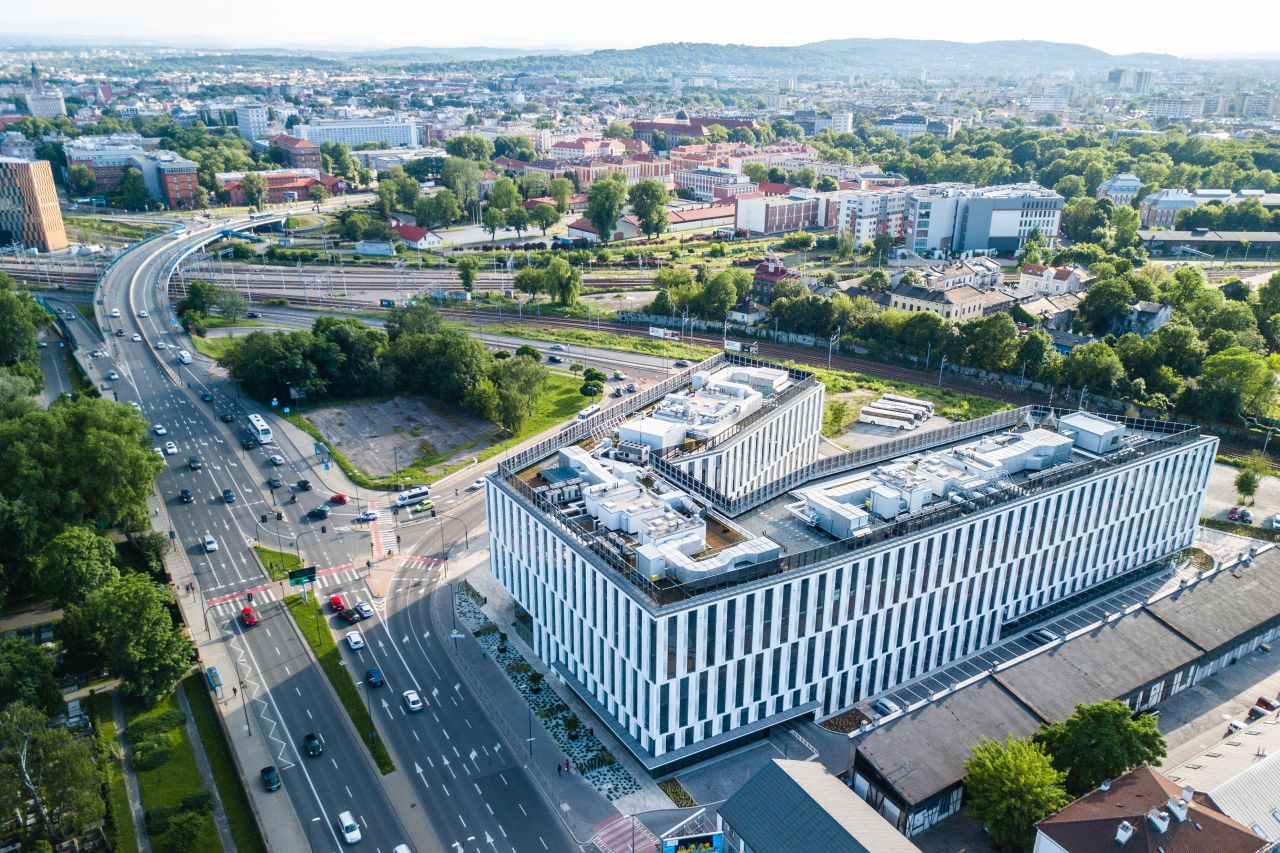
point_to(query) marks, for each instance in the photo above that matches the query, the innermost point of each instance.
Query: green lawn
(313, 626)
(951, 404)
(604, 340)
(86, 311)
(235, 800)
(225, 323)
(560, 402)
(214, 348)
(111, 770)
(169, 783)
(278, 563)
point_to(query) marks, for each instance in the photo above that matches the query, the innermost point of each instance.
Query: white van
(412, 495)
(184, 356)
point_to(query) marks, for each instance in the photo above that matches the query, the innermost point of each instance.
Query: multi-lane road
(459, 769)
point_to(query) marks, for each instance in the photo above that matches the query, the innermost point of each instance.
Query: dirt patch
(853, 435)
(403, 433)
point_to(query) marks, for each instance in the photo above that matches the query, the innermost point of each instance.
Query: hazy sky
(1116, 27)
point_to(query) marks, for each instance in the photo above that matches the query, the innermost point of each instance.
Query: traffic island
(312, 627)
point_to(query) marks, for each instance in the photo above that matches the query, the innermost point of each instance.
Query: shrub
(157, 819)
(148, 727)
(198, 801)
(151, 752)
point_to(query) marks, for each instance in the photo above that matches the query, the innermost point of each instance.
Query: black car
(320, 512)
(311, 745)
(248, 443)
(227, 417)
(253, 315)
(270, 778)
(194, 463)
(119, 333)
(185, 496)
(207, 396)
(682, 363)
(554, 359)
(303, 485)
(228, 496)
(350, 616)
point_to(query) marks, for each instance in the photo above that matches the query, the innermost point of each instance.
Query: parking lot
(1196, 718)
(1221, 496)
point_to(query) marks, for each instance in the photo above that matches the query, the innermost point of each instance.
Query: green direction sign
(299, 577)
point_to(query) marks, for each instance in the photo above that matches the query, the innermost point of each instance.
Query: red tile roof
(292, 141)
(410, 233)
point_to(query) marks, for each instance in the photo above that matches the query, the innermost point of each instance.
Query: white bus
(588, 412)
(908, 401)
(261, 431)
(412, 495)
(884, 417)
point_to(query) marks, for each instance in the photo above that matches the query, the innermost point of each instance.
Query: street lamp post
(245, 703)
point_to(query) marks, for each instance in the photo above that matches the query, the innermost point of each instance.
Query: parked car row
(1265, 706)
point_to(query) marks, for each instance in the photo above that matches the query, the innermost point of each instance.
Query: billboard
(711, 842)
(666, 334)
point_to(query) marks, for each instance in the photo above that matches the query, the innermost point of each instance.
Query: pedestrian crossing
(331, 578)
(623, 834)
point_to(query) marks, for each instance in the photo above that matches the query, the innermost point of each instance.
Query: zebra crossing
(331, 578)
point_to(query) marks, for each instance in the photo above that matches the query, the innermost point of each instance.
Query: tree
(1233, 383)
(75, 563)
(494, 220)
(716, 133)
(230, 302)
(514, 148)
(560, 189)
(528, 351)
(757, 172)
(563, 281)
(1106, 303)
(605, 200)
(1010, 786)
(1247, 482)
(470, 147)
(648, 200)
(1096, 366)
(354, 225)
(145, 648)
(462, 176)
(618, 130)
(877, 280)
(828, 184)
(318, 194)
(504, 194)
(518, 220)
(26, 675)
(544, 216)
(529, 280)
(20, 320)
(438, 210)
(50, 769)
(80, 180)
(990, 342)
(415, 317)
(134, 194)
(1070, 187)
(1101, 741)
(255, 190)
(467, 268)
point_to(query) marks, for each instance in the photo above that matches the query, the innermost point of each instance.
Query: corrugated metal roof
(1241, 775)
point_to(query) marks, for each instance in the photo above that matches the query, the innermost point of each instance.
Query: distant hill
(454, 54)
(898, 57)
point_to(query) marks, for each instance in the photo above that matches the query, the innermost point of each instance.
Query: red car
(337, 499)
(1233, 514)
(335, 604)
(249, 617)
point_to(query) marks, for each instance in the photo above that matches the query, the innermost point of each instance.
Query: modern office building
(961, 218)
(693, 606)
(775, 214)
(708, 183)
(29, 212)
(392, 132)
(251, 119)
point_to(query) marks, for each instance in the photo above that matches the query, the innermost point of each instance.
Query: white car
(136, 338)
(135, 405)
(170, 448)
(158, 451)
(476, 484)
(143, 313)
(115, 312)
(111, 374)
(355, 640)
(275, 459)
(412, 700)
(349, 828)
(369, 515)
(161, 345)
(210, 544)
(1275, 521)
(160, 430)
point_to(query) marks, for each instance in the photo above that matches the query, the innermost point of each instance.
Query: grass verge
(226, 323)
(235, 800)
(311, 624)
(951, 405)
(111, 771)
(171, 784)
(1248, 530)
(86, 311)
(560, 402)
(278, 563)
(603, 340)
(681, 797)
(214, 348)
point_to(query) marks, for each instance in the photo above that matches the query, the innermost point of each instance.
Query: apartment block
(29, 212)
(691, 620)
(951, 218)
(866, 214)
(297, 153)
(775, 214)
(708, 183)
(392, 132)
(251, 119)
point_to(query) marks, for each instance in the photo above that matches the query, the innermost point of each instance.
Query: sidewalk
(581, 804)
(130, 778)
(276, 818)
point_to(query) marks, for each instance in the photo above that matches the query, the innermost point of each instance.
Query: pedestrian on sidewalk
(233, 693)
(559, 769)
(566, 765)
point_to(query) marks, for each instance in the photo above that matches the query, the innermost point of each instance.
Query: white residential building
(708, 183)
(671, 609)
(251, 119)
(1176, 109)
(1054, 281)
(866, 214)
(392, 132)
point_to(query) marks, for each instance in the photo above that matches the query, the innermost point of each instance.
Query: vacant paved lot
(1222, 495)
(375, 436)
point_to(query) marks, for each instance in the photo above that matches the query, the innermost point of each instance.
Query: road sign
(274, 402)
(298, 577)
